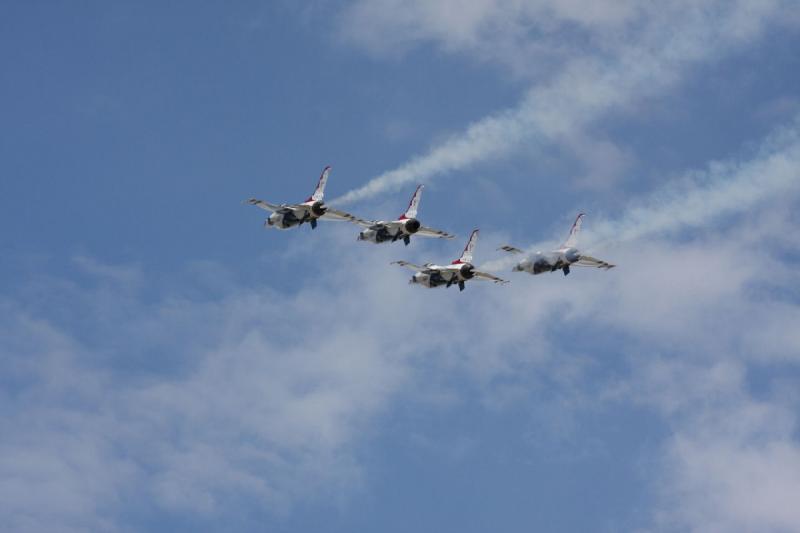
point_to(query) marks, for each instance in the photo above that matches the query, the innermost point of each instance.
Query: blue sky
(170, 365)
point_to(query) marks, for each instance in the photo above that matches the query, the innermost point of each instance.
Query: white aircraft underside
(458, 272)
(402, 228)
(559, 260)
(562, 259)
(391, 231)
(285, 216)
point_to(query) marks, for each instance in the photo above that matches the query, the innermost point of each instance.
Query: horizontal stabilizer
(425, 231)
(406, 264)
(489, 277)
(510, 249)
(262, 204)
(336, 214)
(588, 261)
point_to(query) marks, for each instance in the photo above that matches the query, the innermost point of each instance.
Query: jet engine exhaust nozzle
(412, 225)
(318, 208)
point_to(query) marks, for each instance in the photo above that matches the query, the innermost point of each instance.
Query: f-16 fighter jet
(285, 216)
(562, 259)
(458, 272)
(402, 228)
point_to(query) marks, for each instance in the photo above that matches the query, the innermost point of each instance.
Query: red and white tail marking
(411, 212)
(572, 240)
(319, 192)
(466, 256)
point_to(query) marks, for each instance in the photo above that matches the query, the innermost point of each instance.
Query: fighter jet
(562, 259)
(285, 216)
(458, 272)
(403, 228)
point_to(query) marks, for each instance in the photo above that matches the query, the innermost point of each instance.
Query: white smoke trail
(586, 89)
(701, 197)
(727, 187)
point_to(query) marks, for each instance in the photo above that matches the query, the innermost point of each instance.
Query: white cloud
(660, 42)
(699, 198)
(512, 32)
(732, 462)
(56, 459)
(264, 400)
(275, 393)
(736, 483)
(725, 187)
(265, 397)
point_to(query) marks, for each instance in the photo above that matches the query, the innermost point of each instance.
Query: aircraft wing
(406, 264)
(392, 226)
(489, 277)
(430, 232)
(367, 223)
(266, 206)
(335, 214)
(588, 261)
(511, 249)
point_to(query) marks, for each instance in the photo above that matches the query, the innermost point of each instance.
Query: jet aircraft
(401, 229)
(561, 259)
(285, 216)
(458, 272)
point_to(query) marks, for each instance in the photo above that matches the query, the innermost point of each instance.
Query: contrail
(700, 197)
(727, 187)
(584, 91)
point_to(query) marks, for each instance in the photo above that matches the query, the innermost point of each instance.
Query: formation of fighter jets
(430, 275)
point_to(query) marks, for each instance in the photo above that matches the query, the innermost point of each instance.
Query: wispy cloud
(128, 403)
(700, 197)
(725, 187)
(660, 45)
(183, 402)
(732, 460)
(741, 460)
(264, 397)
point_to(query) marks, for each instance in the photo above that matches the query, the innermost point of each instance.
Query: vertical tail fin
(572, 240)
(466, 256)
(411, 212)
(319, 192)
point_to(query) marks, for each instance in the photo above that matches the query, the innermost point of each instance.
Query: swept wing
(511, 249)
(406, 264)
(336, 214)
(266, 206)
(488, 277)
(588, 261)
(430, 232)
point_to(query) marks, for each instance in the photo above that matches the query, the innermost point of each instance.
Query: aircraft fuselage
(438, 275)
(390, 231)
(290, 216)
(543, 262)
